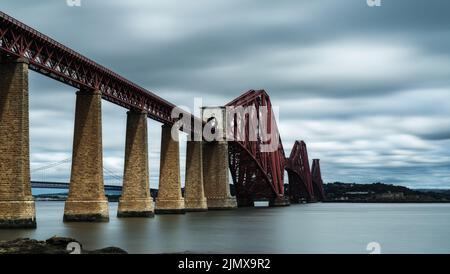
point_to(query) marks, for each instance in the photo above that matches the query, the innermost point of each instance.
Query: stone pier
(136, 200)
(216, 176)
(194, 194)
(17, 207)
(87, 200)
(170, 199)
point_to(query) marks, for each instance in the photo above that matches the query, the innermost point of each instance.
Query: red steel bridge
(257, 174)
(300, 180)
(317, 181)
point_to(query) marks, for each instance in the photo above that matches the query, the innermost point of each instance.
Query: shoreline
(53, 245)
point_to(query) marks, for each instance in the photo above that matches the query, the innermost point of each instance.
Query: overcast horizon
(367, 88)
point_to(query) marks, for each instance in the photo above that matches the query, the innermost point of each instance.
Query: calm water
(312, 228)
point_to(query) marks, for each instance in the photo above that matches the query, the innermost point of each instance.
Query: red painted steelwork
(317, 180)
(257, 175)
(300, 179)
(50, 58)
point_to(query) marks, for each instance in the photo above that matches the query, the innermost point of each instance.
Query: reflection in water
(312, 228)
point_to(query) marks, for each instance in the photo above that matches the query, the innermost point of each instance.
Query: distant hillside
(379, 192)
(443, 191)
(335, 192)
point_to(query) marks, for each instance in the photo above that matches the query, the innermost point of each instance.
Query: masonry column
(215, 176)
(86, 200)
(169, 198)
(136, 200)
(16, 202)
(194, 191)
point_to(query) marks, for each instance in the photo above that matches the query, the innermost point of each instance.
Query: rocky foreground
(54, 245)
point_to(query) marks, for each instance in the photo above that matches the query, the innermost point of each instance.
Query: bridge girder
(317, 181)
(256, 174)
(300, 179)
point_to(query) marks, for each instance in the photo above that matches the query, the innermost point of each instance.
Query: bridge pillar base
(17, 214)
(86, 211)
(216, 176)
(195, 199)
(86, 200)
(280, 201)
(170, 199)
(221, 203)
(170, 207)
(17, 208)
(136, 200)
(196, 205)
(136, 208)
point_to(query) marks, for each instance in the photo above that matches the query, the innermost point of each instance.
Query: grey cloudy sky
(368, 89)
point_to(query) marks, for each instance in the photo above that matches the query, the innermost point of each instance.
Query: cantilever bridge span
(300, 180)
(257, 174)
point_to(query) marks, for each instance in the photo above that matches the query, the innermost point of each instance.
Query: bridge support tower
(17, 208)
(170, 199)
(194, 190)
(86, 200)
(136, 200)
(216, 176)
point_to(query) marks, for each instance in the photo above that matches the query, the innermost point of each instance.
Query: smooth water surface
(308, 228)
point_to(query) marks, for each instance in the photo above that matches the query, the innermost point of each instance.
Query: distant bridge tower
(317, 181)
(300, 179)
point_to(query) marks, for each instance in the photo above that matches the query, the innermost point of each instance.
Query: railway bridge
(257, 174)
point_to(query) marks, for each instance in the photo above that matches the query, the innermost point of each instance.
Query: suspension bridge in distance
(56, 185)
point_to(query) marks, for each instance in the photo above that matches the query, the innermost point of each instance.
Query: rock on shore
(54, 245)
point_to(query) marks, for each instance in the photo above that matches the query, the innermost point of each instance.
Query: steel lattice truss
(300, 180)
(256, 174)
(317, 181)
(50, 58)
